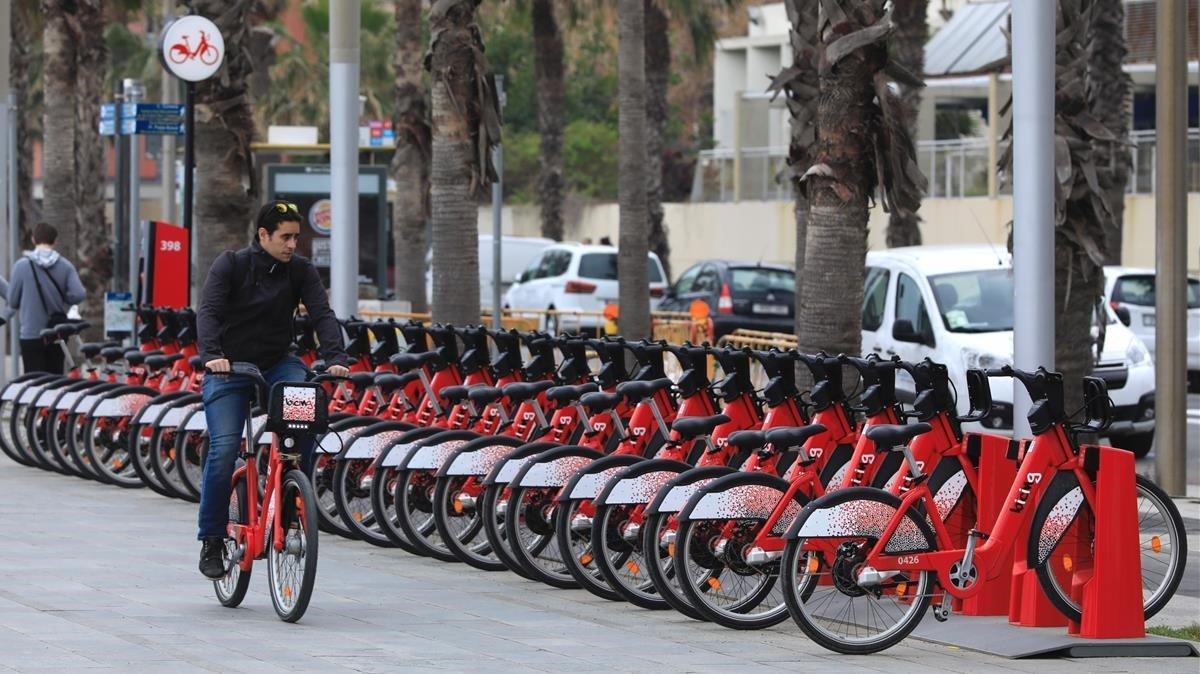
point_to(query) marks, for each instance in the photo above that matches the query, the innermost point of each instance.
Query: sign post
(192, 49)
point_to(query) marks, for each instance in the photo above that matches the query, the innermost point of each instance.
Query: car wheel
(1138, 443)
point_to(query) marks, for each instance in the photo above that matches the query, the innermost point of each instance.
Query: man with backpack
(44, 285)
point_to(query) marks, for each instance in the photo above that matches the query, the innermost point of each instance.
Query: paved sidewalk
(96, 577)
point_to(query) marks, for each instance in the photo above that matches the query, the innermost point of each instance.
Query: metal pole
(497, 204)
(344, 36)
(120, 195)
(737, 145)
(993, 134)
(1170, 332)
(134, 93)
(14, 220)
(1033, 194)
(189, 165)
(166, 167)
(7, 175)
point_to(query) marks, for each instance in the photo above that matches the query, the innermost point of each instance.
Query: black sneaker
(212, 563)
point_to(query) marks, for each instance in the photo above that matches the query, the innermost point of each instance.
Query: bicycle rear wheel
(231, 588)
(292, 568)
(1062, 539)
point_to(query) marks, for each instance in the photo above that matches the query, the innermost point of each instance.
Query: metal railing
(955, 169)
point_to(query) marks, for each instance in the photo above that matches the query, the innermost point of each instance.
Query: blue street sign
(142, 118)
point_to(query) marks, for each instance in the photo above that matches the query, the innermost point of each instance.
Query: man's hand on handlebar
(218, 366)
(338, 370)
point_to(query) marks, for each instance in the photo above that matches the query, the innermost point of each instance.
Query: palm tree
(410, 164)
(1080, 206)
(466, 124)
(658, 78)
(94, 232)
(862, 138)
(911, 18)
(634, 297)
(226, 184)
(1110, 97)
(800, 83)
(551, 106)
(25, 65)
(60, 37)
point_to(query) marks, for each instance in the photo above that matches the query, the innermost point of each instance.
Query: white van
(954, 304)
(516, 252)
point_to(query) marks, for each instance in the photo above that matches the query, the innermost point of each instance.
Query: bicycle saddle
(136, 357)
(790, 438)
(67, 329)
(196, 362)
(694, 427)
(892, 436)
(455, 394)
(112, 354)
(91, 349)
(49, 333)
(484, 395)
(390, 382)
(600, 402)
(747, 440)
(522, 391)
(158, 362)
(640, 390)
(564, 395)
(405, 361)
(362, 380)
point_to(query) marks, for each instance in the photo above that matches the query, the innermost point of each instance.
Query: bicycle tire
(231, 589)
(354, 507)
(301, 542)
(475, 549)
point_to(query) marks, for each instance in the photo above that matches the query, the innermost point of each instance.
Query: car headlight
(1136, 353)
(980, 360)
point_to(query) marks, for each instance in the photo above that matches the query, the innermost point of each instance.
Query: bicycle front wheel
(1062, 543)
(292, 562)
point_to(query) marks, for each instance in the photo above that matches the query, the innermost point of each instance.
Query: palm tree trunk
(551, 103)
(60, 37)
(632, 276)
(410, 164)
(861, 139)
(90, 165)
(465, 126)
(912, 29)
(1110, 94)
(22, 65)
(226, 184)
(658, 78)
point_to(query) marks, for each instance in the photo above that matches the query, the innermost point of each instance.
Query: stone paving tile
(112, 586)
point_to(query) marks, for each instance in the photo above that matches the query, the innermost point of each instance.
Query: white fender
(47, 397)
(198, 422)
(334, 442)
(369, 447)
(1057, 522)
(555, 473)
(175, 415)
(431, 457)
(480, 461)
(866, 519)
(510, 469)
(640, 489)
(680, 494)
(150, 412)
(397, 454)
(589, 486)
(745, 501)
(67, 400)
(121, 406)
(29, 393)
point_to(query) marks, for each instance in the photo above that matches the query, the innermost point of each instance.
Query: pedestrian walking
(44, 285)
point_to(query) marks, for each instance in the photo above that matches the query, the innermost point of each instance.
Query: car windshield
(603, 267)
(1139, 290)
(975, 301)
(763, 280)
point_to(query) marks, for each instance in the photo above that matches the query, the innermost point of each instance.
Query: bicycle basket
(298, 408)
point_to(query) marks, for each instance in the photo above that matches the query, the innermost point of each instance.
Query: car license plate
(1148, 320)
(772, 309)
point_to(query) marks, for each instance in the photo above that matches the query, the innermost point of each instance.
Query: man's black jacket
(249, 319)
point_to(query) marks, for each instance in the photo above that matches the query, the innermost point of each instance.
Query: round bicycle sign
(192, 48)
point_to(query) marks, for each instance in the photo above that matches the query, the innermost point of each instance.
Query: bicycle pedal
(288, 457)
(941, 612)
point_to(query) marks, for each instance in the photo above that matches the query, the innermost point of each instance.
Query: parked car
(515, 255)
(738, 294)
(954, 304)
(576, 277)
(1130, 292)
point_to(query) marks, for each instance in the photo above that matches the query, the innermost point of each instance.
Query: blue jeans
(225, 407)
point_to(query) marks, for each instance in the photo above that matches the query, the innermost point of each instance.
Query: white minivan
(954, 304)
(515, 254)
(577, 277)
(1130, 292)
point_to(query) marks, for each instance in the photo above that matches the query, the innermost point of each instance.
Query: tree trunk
(454, 176)
(658, 79)
(60, 37)
(551, 103)
(910, 18)
(95, 233)
(1110, 94)
(226, 190)
(632, 276)
(22, 66)
(410, 164)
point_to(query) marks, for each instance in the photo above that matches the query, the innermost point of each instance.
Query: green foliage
(131, 55)
(590, 155)
(522, 159)
(1189, 632)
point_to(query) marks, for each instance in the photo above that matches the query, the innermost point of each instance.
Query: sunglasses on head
(285, 206)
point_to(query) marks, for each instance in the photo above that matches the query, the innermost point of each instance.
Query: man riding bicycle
(245, 315)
